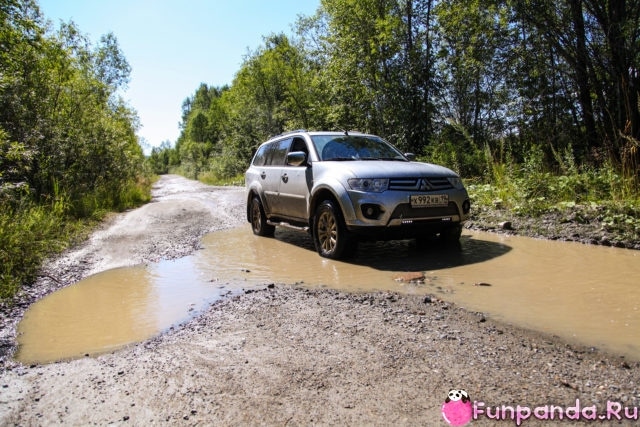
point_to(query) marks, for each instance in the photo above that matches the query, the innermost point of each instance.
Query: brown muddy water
(584, 294)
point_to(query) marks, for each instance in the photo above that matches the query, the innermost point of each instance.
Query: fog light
(371, 211)
(466, 206)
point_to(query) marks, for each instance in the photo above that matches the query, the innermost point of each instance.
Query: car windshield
(354, 147)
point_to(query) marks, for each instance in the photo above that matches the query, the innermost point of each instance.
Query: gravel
(284, 355)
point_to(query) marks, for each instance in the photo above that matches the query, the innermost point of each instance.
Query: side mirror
(296, 158)
(410, 156)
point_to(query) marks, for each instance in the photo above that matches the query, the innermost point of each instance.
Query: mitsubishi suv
(344, 187)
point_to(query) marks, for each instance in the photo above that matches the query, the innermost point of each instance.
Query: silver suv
(343, 187)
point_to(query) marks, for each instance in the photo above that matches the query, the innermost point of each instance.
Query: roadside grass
(28, 235)
(31, 232)
(530, 187)
(213, 178)
(603, 195)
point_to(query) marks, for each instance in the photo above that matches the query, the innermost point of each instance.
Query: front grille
(405, 211)
(420, 184)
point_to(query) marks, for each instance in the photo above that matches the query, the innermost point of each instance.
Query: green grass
(212, 178)
(587, 195)
(28, 235)
(209, 177)
(32, 232)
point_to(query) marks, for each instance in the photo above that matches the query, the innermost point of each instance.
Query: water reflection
(291, 257)
(586, 294)
(112, 309)
(583, 293)
(109, 311)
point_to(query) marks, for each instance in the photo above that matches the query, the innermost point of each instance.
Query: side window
(277, 154)
(261, 155)
(299, 145)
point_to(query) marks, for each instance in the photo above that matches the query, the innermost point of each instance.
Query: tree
(598, 42)
(375, 65)
(362, 43)
(162, 158)
(449, 79)
(60, 111)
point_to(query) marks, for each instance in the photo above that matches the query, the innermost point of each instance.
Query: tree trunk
(582, 77)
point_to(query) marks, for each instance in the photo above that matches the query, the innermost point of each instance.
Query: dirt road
(289, 356)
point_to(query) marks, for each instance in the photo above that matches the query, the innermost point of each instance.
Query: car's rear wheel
(330, 235)
(259, 219)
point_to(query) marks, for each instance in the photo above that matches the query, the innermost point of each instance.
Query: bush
(587, 194)
(28, 235)
(31, 232)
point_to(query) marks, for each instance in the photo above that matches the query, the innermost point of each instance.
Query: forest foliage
(536, 103)
(467, 83)
(68, 144)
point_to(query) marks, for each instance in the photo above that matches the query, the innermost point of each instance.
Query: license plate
(429, 200)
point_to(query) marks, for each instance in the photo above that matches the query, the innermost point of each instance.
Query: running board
(286, 224)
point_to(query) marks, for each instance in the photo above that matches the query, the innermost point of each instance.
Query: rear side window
(261, 155)
(277, 154)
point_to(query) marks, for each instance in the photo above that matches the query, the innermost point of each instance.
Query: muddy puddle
(585, 294)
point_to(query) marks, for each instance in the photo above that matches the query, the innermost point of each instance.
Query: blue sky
(173, 46)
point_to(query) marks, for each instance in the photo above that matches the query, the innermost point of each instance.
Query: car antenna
(346, 132)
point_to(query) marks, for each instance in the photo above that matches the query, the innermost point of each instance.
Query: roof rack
(348, 131)
(289, 132)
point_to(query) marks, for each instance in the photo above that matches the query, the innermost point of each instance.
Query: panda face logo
(457, 409)
(456, 395)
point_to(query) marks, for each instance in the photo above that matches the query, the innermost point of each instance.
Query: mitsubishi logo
(424, 185)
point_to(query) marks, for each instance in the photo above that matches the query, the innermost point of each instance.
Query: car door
(294, 185)
(270, 175)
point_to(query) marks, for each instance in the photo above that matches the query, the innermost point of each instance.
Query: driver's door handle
(285, 178)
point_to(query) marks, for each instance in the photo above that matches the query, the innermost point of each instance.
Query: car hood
(383, 169)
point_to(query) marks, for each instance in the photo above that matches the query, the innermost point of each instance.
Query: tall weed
(30, 232)
(27, 236)
(606, 194)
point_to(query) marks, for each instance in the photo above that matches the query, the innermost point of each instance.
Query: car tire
(450, 236)
(259, 224)
(330, 235)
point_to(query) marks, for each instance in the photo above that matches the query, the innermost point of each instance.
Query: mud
(581, 224)
(283, 355)
(170, 227)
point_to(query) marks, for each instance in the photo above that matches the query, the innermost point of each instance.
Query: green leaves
(531, 84)
(58, 106)
(68, 147)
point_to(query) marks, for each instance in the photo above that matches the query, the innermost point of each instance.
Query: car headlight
(372, 185)
(456, 182)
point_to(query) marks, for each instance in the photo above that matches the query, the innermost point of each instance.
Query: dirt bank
(289, 356)
(578, 224)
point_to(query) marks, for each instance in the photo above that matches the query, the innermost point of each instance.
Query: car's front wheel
(330, 235)
(259, 224)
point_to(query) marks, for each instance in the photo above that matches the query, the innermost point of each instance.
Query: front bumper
(382, 213)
